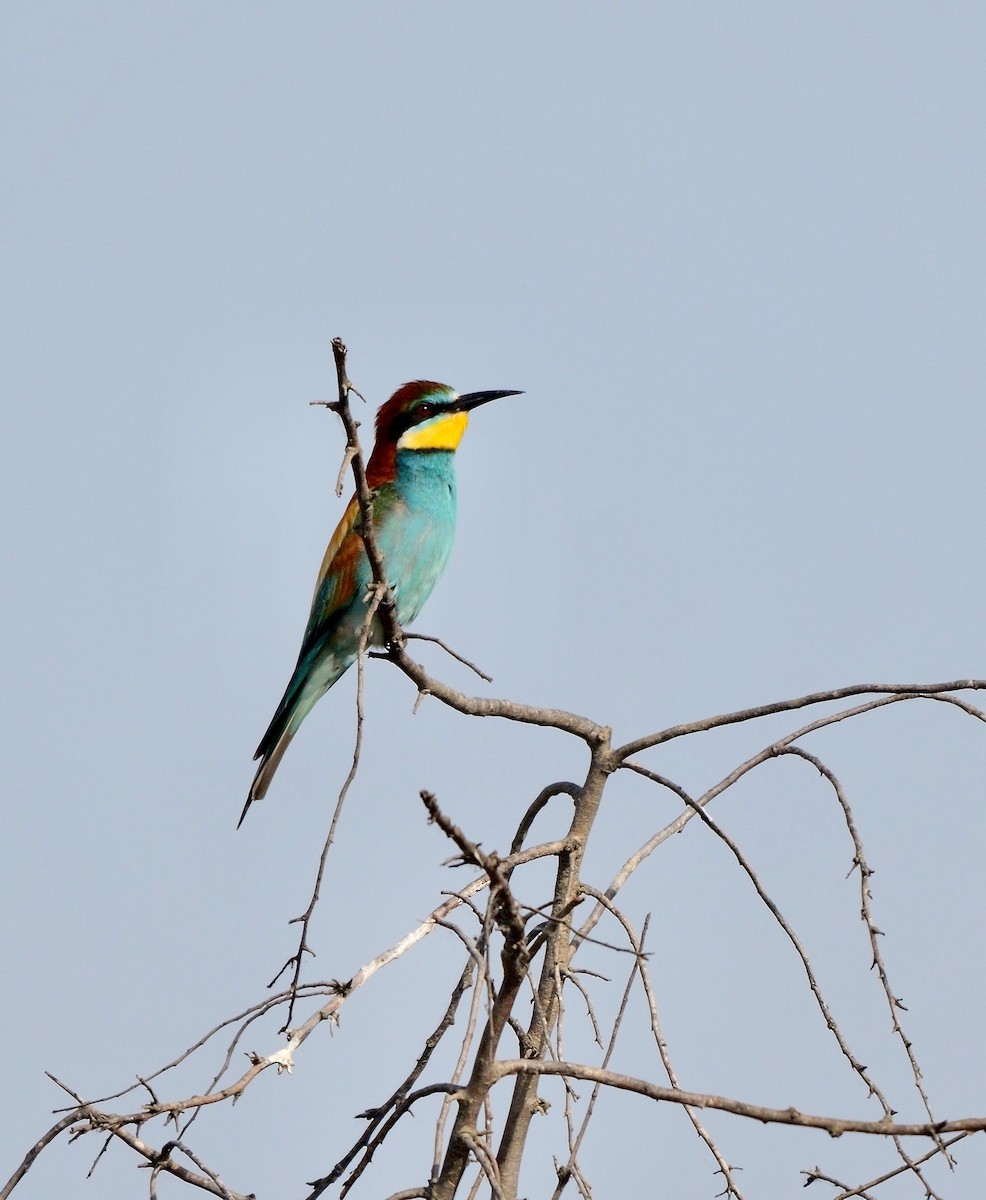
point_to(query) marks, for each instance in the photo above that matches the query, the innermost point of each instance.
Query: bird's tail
(270, 752)
(315, 673)
(294, 707)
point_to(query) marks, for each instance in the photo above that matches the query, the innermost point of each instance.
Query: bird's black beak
(473, 400)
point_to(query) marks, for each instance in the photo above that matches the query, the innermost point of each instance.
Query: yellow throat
(443, 432)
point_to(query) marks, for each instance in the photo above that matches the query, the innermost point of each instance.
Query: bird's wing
(338, 576)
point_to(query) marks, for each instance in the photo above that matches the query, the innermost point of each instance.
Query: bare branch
(562, 788)
(834, 1126)
(640, 967)
(70, 1119)
(400, 1101)
(894, 1003)
(863, 1189)
(425, 637)
(903, 691)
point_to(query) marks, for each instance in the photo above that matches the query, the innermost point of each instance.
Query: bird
(411, 478)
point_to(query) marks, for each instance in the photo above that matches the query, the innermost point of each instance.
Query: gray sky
(734, 255)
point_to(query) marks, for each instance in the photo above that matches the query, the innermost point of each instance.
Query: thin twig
(426, 637)
(395, 1103)
(863, 1188)
(764, 755)
(866, 913)
(460, 1064)
(640, 966)
(830, 1022)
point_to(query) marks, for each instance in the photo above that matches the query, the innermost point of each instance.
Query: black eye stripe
(420, 412)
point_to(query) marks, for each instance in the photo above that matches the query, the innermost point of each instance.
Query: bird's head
(428, 416)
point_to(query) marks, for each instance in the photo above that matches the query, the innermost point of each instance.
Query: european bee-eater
(411, 477)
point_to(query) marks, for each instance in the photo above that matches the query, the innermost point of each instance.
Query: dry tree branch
(796, 942)
(161, 1160)
(888, 694)
(506, 913)
(903, 691)
(834, 1126)
(171, 1147)
(572, 977)
(460, 1063)
(404, 1107)
(396, 1105)
(70, 1119)
(827, 1016)
(93, 1119)
(569, 1169)
(723, 1167)
(427, 637)
(488, 1164)
(537, 805)
(894, 1002)
(465, 1140)
(863, 1189)
(557, 955)
(640, 967)
(245, 1019)
(88, 1119)
(514, 958)
(818, 1175)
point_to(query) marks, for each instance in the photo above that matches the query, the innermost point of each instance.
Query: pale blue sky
(734, 255)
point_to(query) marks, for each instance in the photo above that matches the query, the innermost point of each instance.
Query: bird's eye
(425, 410)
